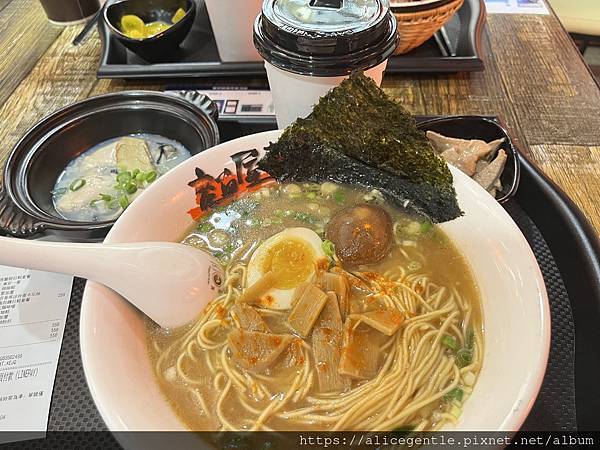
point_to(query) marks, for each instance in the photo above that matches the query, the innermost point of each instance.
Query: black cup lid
(325, 37)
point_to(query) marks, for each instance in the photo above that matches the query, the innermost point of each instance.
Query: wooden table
(535, 80)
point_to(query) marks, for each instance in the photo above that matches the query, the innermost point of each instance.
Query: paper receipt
(33, 310)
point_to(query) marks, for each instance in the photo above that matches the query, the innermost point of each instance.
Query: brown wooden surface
(534, 79)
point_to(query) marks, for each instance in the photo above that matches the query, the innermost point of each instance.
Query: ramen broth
(422, 261)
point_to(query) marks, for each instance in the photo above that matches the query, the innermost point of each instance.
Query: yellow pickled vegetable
(131, 23)
(154, 28)
(179, 14)
(135, 34)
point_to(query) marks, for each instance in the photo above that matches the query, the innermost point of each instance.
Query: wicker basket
(418, 26)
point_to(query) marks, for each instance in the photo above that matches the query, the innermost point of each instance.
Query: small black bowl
(486, 129)
(26, 205)
(161, 46)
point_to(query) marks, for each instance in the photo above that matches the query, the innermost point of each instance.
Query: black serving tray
(566, 247)
(198, 55)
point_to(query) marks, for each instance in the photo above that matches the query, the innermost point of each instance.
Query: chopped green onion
(455, 411)
(339, 197)
(295, 196)
(123, 201)
(77, 184)
(328, 248)
(205, 227)
(123, 177)
(464, 357)
(426, 227)
(103, 198)
(470, 339)
(454, 394)
(278, 213)
(151, 176)
(131, 188)
(230, 248)
(302, 217)
(450, 342)
(311, 195)
(113, 204)
(140, 178)
(135, 173)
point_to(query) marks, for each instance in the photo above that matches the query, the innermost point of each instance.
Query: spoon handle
(82, 260)
(171, 283)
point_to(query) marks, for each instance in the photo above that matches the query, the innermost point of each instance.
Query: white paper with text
(33, 311)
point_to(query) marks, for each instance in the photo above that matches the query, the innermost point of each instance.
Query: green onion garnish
(123, 201)
(77, 184)
(151, 176)
(131, 188)
(230, 248)
(123, 177)
(205, 227)
(339, 197)
(454, 394)
(464, 357)
(311, 195)
(470, 338)
(450, 342)
(426, 227)
(328, 247)
(103, 198)
(135, 173)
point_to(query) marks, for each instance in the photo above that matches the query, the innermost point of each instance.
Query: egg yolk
(292, 262)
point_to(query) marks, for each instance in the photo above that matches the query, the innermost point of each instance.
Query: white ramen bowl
(515, 305)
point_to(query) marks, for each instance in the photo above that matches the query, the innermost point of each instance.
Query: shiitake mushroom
(362, 234)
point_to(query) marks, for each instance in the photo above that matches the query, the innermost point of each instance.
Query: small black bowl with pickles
(153, 29)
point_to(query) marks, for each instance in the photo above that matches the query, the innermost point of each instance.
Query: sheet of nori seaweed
(306, 159)
(359, 121)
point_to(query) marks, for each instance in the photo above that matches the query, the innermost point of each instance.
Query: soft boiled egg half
(293, 256)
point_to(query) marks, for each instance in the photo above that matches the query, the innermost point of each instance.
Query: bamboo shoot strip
(258, 289)
(360, 351)
(382, 320)
(256, 351)
(306, 311)
(249, 319)
(326, 344)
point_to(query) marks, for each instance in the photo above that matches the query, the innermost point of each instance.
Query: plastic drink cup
(69, 12)
(311, 46)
